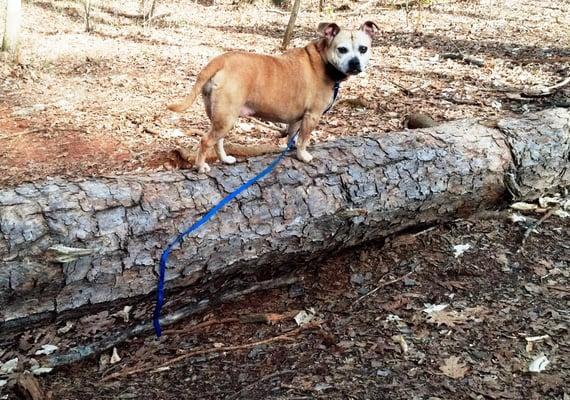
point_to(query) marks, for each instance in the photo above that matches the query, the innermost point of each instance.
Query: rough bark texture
(357, 189)
(10, 39)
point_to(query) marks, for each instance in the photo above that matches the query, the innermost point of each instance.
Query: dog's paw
(304, 156)
(202, 169)
(229, 160)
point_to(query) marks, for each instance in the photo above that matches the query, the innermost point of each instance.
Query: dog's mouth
(354, 66)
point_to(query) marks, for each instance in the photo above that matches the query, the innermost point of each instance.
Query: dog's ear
(328, 30)
(370, 28)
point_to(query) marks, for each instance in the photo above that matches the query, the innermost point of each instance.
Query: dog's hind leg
(221, 153)
(222, 156)
(221, 125)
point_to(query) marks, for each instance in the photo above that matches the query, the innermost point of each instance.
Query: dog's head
(348, 51)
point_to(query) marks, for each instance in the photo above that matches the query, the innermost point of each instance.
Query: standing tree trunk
(12, 28)
(147, 14)
(291, 24)
(87, 6)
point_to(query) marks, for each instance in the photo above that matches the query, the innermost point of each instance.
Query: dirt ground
(94, 103)
(439, 326)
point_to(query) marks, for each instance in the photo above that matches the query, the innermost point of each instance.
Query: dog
(294, 88)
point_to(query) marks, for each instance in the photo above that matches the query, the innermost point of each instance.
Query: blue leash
(206, 217)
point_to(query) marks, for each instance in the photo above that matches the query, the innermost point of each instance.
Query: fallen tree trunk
(357, 189)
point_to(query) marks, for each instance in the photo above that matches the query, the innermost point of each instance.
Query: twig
(203, 325)
(380, 287)
(267, 318)
(277, 11)
(37, 130)
(464, 57)
(559, 288)
(536, 225)
(545, 91)
(22, 133)
(283, 337)
(257, 382)
(266, 125)
(81, 352)
(406, 91)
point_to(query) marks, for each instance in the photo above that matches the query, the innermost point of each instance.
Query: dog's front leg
(222, 156)
(309, 122)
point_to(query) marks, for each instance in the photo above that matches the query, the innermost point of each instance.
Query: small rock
(409, 282)
(319, 387)
(256, 352)
(362, 290)
(357, 279)
(296, 290)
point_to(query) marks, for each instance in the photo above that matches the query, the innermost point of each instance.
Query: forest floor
(441, 325)
(82, 104)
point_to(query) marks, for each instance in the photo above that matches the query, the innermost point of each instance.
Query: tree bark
(357, 189)
(291, 24)
(10, 40)
(87, 9)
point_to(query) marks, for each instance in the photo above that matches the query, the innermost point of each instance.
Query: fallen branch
(357, 189)
(267, 125)
(380, 287)
(284, 337)
(542, 91)
(464, 57)
(536, 225)
(267, 318)
(81, 352)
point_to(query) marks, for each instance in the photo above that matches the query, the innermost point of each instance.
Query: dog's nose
(354, 65)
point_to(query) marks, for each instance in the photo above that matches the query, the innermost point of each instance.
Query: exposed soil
(94, 103)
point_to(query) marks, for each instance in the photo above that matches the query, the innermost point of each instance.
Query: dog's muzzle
(354, 66)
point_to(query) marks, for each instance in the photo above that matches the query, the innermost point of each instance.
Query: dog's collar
(334, 73)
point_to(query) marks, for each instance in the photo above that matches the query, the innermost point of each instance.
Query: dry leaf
(448, 318)
(41, 370)
(460, 249)
(522, 206)
(305, 317)
(539, 364)
(46, 349)
(561, 214)
(433, 308)
(9, 366)
(66, 328)
(454, 368)
(517, 218)
(115, 357)
(399, 339)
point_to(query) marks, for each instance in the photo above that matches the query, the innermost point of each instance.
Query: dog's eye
(363, 49)
(342, 50)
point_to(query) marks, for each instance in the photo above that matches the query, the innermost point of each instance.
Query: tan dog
(294, 88)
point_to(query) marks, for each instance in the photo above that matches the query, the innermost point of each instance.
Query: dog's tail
(203, 77)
